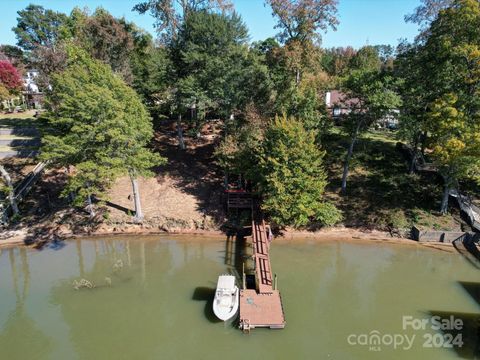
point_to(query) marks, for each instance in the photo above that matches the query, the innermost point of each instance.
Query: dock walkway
(261, 307)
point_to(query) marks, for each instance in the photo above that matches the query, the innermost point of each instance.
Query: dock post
(243, 276)
(275, 285)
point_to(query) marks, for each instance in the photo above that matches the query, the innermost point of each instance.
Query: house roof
(339, 99)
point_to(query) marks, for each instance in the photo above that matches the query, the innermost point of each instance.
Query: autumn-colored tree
(301, 20)
(107, 39)
(336, 61)
(9, 76)
(455, 143)
(453, 45)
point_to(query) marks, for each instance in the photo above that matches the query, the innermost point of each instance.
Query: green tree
(170, 14)
(152, 72)
(371, 95)
(38, 27)
(215, 71)
(367, 58)
(455, 143)
(453, 48)
(336, 61)
(291, 176)
(98, 125)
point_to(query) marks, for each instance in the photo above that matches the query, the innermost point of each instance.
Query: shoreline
(18, 237)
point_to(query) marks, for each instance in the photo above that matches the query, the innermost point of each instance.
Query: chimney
(328, 98)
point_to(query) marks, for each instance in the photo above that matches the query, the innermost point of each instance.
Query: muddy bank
(24, 237)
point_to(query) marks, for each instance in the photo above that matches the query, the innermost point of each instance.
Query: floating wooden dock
(262, 306)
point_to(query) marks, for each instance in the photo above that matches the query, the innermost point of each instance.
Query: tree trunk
(71, 195)
(349, 156)
(136, 196)
(297, 77)
(11, 192)
(90, 206)
(411, 170)
(423, 142)
(446, 194)
(181, 142)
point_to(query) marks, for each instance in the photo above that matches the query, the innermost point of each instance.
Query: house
(339, 105)
(32, 95)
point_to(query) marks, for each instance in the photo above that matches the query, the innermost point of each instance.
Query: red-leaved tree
(9, 76)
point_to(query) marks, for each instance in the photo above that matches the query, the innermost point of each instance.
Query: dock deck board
(261, 310)
(261, 307)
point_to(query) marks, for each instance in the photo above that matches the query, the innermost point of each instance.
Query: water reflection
(119, 304)
(152, 299)
(20, 335)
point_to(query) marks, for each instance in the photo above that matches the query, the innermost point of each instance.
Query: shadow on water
(234, 258)
(206, 294)
(470, 333)
(473, 289)
(235, 251)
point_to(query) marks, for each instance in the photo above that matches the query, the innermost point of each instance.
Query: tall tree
(38, 27)
(169, 20)
(455, 143)
(291, 176)
(371, 95)
(97, 124)
(215, 70)
(300, 23)
(453, 47)
(301, 20)
(414, 67)
(107, 39)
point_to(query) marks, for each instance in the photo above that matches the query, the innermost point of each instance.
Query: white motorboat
(225, 304)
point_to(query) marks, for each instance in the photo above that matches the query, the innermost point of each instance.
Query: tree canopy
(291, 175)
(37, 26)
(97, 124)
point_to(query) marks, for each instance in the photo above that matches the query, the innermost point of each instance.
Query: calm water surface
(152, 300)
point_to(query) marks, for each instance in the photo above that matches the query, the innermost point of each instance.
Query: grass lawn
(380, 192)
(23, 115)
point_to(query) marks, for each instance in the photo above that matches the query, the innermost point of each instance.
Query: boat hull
(226, 301)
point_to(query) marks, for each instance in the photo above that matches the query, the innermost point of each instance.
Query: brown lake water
(152, 300)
